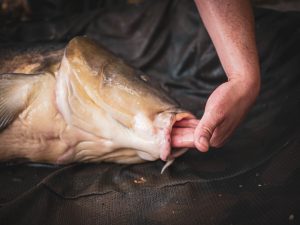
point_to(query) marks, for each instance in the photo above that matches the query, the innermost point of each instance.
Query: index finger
(191, 123)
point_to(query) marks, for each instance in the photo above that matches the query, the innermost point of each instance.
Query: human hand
(232, 32)
(224, 110)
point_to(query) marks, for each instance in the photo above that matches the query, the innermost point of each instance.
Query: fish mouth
(169, 118)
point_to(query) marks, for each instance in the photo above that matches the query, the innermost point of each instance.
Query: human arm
(230, 25)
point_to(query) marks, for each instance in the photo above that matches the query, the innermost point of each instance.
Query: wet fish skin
(30, 58)
(82, 103)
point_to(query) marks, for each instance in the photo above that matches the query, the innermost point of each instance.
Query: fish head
(105, 97)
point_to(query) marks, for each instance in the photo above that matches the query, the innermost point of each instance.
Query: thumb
(204, 132)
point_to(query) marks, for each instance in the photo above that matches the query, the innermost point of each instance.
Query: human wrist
(248, 84)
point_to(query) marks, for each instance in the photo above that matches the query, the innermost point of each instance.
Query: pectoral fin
(171, 158)
(168, 163)
(15, 92)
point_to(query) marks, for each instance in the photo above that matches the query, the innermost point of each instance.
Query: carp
(82, 103)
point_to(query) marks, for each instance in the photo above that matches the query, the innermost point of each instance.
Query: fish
(82, 103)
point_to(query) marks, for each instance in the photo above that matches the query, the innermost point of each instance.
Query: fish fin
(168, 163)
(15, 90)
(172, 157)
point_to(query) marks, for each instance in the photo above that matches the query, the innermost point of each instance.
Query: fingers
(219, 137)
(200, 134)
(182, 135)
(192, 123)
(182, 138)
(209, 135)
(204, 132)
(222, 133)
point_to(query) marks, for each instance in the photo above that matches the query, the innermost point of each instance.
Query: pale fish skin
(86, 105)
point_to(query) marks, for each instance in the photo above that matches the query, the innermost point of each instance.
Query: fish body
(81, 103)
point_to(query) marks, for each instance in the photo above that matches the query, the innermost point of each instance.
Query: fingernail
(203, 142)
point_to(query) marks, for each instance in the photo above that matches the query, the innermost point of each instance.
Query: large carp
(83, 104)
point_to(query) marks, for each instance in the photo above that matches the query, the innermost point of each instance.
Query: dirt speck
(17, 180)
(291, 217)
(140, 180)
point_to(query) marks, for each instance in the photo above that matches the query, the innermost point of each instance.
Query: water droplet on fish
(144, 78)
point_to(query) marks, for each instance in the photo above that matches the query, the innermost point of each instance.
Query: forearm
(230, 25)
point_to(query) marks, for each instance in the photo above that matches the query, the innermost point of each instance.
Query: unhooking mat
(253, 179)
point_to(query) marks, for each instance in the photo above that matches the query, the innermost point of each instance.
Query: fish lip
(166, 147)
(175, 115)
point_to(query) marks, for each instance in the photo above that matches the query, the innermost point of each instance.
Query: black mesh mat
(253, 179)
